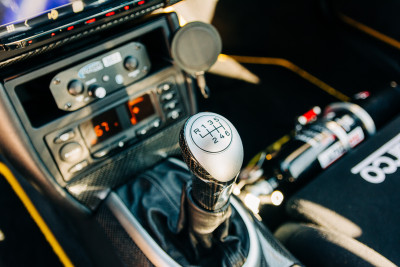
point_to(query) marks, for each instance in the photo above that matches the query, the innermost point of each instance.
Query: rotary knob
(75, 87)
(97, 91)
(71, 152)
(131, 63)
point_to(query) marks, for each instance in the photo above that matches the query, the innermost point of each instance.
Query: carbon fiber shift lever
(213, 151)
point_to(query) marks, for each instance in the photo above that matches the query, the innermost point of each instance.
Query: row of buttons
(169, 100)
(148, 128)
(71, 150)
(73, 156)
(108, 149)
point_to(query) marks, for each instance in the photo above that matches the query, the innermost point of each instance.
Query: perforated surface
(196, 47)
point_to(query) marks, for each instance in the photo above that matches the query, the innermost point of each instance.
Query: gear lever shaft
(213, 151)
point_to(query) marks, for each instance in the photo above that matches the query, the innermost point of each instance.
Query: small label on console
(90, 68)
(112, 59)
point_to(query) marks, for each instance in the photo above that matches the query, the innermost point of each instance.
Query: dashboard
(94, 115)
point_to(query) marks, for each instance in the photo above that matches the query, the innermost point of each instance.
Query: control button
(142, 131)
(75, 87)
(64, 137)
(171, 105)
(173, 115)
(119, 79)
(163, 88)
(97, 91)
(167, 97)
(131, 63)
(156, 123)
(71, 152)
(153, 125)
(78, 167)
(105, 78)
(121, 144)
(101, 153)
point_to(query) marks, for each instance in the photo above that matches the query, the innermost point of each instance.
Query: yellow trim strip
(296, 69)
(368, 30)
(19, 191)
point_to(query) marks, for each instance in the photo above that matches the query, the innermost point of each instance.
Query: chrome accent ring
(365, 118)
(341, 134)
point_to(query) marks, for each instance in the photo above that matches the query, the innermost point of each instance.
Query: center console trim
(154, 252)
(36, 134)
(139, 235)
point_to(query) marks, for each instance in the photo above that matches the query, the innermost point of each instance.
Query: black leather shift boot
(160, 199)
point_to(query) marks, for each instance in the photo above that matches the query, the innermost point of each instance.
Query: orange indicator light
(134, 109)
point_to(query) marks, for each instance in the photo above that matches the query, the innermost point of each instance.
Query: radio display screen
(140, 108)
(101, 128)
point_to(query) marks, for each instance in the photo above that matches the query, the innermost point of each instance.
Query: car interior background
(199, 132)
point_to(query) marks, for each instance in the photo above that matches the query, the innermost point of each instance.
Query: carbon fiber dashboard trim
(93, 188)
(128, 251)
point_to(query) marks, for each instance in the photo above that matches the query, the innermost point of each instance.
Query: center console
(91, 120)
(86, 112)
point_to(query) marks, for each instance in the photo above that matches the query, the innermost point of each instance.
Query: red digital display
(108, 124)
(140, 108)
(101, 128)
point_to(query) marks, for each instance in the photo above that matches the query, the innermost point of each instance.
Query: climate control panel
(86, 142)
(82, 84)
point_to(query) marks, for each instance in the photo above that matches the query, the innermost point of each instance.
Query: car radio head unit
(104, 104)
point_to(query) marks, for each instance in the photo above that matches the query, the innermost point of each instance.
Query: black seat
(350, 214)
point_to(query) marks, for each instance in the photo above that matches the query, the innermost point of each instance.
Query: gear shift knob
(213, 151)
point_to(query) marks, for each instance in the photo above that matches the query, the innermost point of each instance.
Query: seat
(350, 214)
